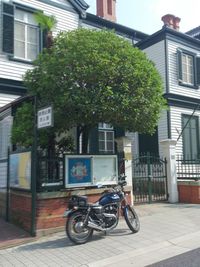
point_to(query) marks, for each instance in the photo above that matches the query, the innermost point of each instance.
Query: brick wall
(3, 203)
(189, 192)
(50, 208)
(20, 209)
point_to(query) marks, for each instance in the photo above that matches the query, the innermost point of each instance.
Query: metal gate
(149, 179)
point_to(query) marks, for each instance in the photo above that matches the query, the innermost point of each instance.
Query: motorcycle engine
(110, 209)
(105, 217)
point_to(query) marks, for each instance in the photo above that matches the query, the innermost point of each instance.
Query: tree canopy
(95, 76)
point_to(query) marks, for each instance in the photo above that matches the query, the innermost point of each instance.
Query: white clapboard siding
(3, 174)
(174, 86)
(1, 41)
(13, 70)
(176, 124)
(162, 129)
(156, 53)
(66, 20)
(7, 98)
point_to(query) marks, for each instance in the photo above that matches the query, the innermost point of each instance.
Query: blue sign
(79, 170)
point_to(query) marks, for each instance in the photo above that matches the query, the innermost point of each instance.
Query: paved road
(188, 259)
(166, 231)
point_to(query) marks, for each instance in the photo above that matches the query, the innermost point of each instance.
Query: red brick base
(189, 192)
(50, 208)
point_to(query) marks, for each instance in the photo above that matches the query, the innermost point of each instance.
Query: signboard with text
(45, 117)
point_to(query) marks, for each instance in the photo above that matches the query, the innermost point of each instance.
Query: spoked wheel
(131, 219)
(75, 229)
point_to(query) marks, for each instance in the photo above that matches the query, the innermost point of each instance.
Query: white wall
(176, 124)
(174, 86)
(156, 53)
(66, 20)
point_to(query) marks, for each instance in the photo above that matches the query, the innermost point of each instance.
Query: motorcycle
(83, 217)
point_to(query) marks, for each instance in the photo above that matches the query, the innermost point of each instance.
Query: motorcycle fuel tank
(109, 198)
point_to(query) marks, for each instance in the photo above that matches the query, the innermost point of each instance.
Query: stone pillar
(124, 144)
(169, 152)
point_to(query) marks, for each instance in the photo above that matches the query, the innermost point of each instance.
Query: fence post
(169, 152)
(8, 188)
(124, 146)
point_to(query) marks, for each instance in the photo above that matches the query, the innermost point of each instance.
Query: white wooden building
(177, 58)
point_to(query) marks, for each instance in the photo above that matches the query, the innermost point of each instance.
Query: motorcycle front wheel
(131, 219)
(75, 229)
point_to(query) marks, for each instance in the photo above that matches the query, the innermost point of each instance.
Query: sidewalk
(167, 230)
(10, 235)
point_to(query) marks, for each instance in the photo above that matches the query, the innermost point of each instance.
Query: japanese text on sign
(45, 118)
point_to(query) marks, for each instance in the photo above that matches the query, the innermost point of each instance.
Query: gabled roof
(194, 32)
(80, 5)
(168, 33)
(99, 22)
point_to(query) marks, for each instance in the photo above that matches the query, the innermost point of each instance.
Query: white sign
(45, 117)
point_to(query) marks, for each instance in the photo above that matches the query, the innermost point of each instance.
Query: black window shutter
(8, 28)
(94, 141)
(179, 65)
(119, 132)
(198, 70)
(44, 39)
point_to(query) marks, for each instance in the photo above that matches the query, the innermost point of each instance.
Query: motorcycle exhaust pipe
(99, 228)
(94, 226)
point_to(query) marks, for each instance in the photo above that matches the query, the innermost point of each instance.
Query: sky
(145, 15)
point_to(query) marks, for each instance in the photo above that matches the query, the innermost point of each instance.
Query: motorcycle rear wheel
(131, 219)
(76, 231)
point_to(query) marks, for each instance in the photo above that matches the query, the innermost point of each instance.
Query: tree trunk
(49, 39)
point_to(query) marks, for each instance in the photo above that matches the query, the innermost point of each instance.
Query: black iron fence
(187, 168)
(50, 173)
(149, 179)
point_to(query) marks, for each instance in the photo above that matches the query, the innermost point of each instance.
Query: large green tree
(95, 76)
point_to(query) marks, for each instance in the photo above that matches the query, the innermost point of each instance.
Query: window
(21, 34)
(106, 138)
(26, 35)
(189, 68)
(190, 128)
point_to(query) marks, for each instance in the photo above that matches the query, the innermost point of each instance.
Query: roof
(80, 5)
(99, 22)
(194, 32)
(168, 33)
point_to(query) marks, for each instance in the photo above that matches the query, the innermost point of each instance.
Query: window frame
(8, 19)
(26, 42)
(190, 155)
(105, 129)
(180, 53)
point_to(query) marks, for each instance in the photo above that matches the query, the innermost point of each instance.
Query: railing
(187, 168)
(50, 173)
(149, 179)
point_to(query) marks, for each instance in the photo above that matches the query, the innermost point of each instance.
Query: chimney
(176, 23)
(106, 9)
(171, 21)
